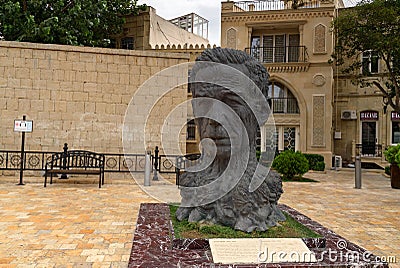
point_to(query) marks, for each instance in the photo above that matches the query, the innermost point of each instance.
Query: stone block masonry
(79, 95)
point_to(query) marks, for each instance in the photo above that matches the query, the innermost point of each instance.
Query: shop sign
(395, 116)
(369, 116)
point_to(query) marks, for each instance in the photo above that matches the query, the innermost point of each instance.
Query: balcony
(288, 54)
(284, 105)
(266, 5)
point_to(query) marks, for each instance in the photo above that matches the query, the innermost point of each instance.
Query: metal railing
(166, 163)
(124, 162)
(265, 5)
(33, 160)
(284, 54)
(369, 150)
(284, 105)
(36, 160)
(183, 162)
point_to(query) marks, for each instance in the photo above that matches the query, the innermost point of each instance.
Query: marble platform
(154, 245)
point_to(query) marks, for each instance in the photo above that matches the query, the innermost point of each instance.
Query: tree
(374, 27)
(68, 22)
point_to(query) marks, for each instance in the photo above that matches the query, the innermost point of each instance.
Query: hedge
(315, 162)
(290, 164)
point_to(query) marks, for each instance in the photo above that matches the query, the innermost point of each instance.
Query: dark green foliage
(319, 166)
(290, 164)
(387, 170)
(288, 228)
(68, 22)
(392, 154)
(372, 25)
(315, 162)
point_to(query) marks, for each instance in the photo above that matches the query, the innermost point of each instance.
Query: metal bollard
(358, 172)
(147, 168)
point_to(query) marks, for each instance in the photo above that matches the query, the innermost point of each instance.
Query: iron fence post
(64, 161)
(22, 158)
(156, 158)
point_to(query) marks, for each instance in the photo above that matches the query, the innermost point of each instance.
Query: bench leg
(51, 178)
(45, 178)
(100, 180)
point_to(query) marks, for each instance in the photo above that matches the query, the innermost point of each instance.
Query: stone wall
(80, 95)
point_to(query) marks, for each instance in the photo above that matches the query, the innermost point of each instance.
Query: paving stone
(367, 216)
(79, 225)
(95, 258)
(59, 230)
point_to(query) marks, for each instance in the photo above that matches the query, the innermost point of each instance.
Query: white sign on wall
(23, 125)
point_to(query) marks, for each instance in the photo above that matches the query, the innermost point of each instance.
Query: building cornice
(276, 15)
(287, 67)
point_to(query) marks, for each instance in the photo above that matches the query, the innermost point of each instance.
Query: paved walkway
(70, 225)
(369, 217)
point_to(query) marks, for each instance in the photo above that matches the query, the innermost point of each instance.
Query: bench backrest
(76, 159)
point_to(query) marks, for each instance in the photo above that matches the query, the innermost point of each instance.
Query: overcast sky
(208, 9)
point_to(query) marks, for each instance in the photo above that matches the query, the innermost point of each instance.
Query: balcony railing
(284, 105)
(260, 5)
(279, 54)
(369, 150)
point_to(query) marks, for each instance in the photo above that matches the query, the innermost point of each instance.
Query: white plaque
(228, 251)
(23, 125)
(260, 250)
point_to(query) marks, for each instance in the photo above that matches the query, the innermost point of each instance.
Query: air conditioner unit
(337, 162)
(349, 114)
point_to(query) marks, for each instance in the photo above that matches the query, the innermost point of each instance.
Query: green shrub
(290, 164)
(314, 161)
(319, 166)
(391, 152)
(387, 170)
(258, 155)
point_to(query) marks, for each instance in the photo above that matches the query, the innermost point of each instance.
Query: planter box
(395, 176)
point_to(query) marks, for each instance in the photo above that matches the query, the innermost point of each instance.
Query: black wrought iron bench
(75, 162)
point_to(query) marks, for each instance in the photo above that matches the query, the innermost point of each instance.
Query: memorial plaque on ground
(260, 250)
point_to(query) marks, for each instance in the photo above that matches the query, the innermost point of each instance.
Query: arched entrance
(286, 111)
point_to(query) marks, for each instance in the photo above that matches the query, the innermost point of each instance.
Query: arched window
(282, 100)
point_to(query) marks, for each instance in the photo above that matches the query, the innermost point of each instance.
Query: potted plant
(392, 154)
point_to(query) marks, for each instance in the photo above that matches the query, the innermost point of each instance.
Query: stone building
(80, 95)
(361, 123)
(148, 31)
(185, 34)
(295, 46)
